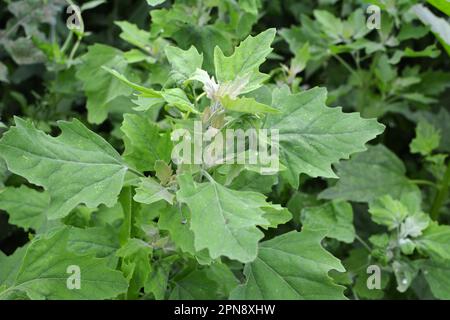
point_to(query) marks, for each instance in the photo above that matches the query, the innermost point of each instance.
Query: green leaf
(99, 241)
(427, 139)
(155, 2)
(228, 227)
(331, 25)
(370, 175)
(100, 87)
(76, 167)
(147, 92)
(336, 217)
(144, 144)
(437, 274)
(435, 241)
(150, 191)
(439, 26)
(25, 206)
(292, 266)
(313, 136)
(183, 62)
(247, 105)
(387, 211)
(245, 61)
(10, 266)
(177, 98)
(43, 274)
(194, 286)
(178, 221)
(132, 34)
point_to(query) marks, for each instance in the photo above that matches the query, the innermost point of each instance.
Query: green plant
(134, 195)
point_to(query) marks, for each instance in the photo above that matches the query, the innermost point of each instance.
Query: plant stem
(441, 196)
(364, 244)
(346, 65)
(425, 182)
(136, 172)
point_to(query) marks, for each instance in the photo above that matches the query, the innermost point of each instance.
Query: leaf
(435, 241)
(100, 87)
(144, 144)
(245, 61)
(150, 191)
(439, 26)
(370, 175)
(25, 206)
(194, 286)
(313, 136)
(292, 266)
(247, 105)
(99, 241)
(177, 98)
(3, 73)
(149, 93)
(178, 221)
(43, 274)
(427, 139)
(444, 6)
(132, 34)
(437, 275)
(228, 226)
(183, 62)
(10, 266)
(76, 167)
(387, 211)
(335, 216)
(155, 2)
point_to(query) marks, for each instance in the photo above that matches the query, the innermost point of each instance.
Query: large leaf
(25, 206)
(223, 220)
(313, 136)
(370, 175)
(43, 274)
(291, 266)
(76, 167)
(437, 274)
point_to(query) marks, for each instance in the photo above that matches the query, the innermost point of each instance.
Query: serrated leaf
(427, 139)
(437, 275)
(228, 227)
(293, 266)
(184, 62)
(313, 136)
(76, 167)
(245, 61)
(435, 241)
(370, 175)
(43, 274)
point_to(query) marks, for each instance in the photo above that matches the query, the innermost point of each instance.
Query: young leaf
(76, 167)
(245, 61)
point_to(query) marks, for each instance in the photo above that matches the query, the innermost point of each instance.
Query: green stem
(364, 244)
(346, 65)
(441, 196)
(425, 182)
(67, 42)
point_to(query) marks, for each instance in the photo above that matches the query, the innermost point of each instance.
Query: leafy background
(364, 141)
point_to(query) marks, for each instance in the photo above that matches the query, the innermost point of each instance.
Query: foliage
(91, 118)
